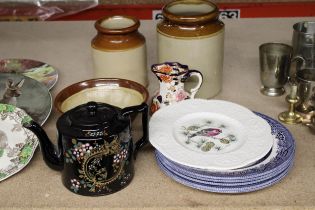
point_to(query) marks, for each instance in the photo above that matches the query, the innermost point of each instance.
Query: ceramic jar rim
(124, 30)
(187, 19)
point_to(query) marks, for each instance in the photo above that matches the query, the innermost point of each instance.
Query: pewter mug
(303, 43)
(306, 90)
(275, 60)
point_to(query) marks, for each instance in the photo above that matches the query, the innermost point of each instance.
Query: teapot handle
(143, 108)
(198, 74)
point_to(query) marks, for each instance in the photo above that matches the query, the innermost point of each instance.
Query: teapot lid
(92, 120)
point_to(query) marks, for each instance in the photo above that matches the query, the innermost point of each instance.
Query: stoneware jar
(191, 33)
(119, 50)
(95, 149)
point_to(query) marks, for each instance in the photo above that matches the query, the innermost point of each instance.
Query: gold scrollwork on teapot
(96, 172)
(100, 165)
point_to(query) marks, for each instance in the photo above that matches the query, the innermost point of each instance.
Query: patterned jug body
(172, 78)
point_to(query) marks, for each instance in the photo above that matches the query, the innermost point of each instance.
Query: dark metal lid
(92, 120)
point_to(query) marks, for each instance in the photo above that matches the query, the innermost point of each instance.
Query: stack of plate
(24, 95)
(219, 146)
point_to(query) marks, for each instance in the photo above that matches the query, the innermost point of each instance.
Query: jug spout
(52, 155)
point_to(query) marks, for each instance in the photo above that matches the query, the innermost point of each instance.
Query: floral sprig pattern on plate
(207, 137)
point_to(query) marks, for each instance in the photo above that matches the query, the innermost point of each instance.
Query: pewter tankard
(303, 43)
(306, 90)
(275, 60)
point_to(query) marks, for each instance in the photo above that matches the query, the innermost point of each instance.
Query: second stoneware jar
(119, 50)
(192, 34)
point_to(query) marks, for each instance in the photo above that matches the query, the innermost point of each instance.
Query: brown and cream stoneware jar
(192, 34)
(119, 50)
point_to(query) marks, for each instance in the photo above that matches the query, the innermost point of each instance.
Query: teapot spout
(52, 155)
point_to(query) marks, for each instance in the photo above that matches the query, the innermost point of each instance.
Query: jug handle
(296, 59)
(198, 74)
(143, 108)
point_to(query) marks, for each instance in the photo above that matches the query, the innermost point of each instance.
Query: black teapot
(95, 148)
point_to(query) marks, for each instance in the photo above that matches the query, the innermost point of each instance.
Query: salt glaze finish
(95, 148)
(191, 33)
(119, 50)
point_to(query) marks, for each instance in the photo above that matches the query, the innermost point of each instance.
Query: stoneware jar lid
(92, 121)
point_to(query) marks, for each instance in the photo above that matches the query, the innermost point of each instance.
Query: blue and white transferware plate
(210, 134)
(17, 144)
(222, 183)
(227, 188)
(280, 157)
(258, 176)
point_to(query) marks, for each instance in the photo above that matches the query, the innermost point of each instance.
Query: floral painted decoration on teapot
(95, 148)
(93, 174)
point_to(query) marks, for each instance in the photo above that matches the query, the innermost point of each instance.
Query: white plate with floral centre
(210, 134)
(17, 144)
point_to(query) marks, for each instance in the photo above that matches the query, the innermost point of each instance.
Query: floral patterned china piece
(26, 93)
(265, 173)
(210, 134)
(225, 189)
(172, 77)
(95, 150)
(280, 157)
(17, 144)
(37, 70)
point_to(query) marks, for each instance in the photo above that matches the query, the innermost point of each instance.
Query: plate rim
(21, 166)
(41, 86)
(49, 87)
(226, 189)
(166, 142)
(238, 174)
